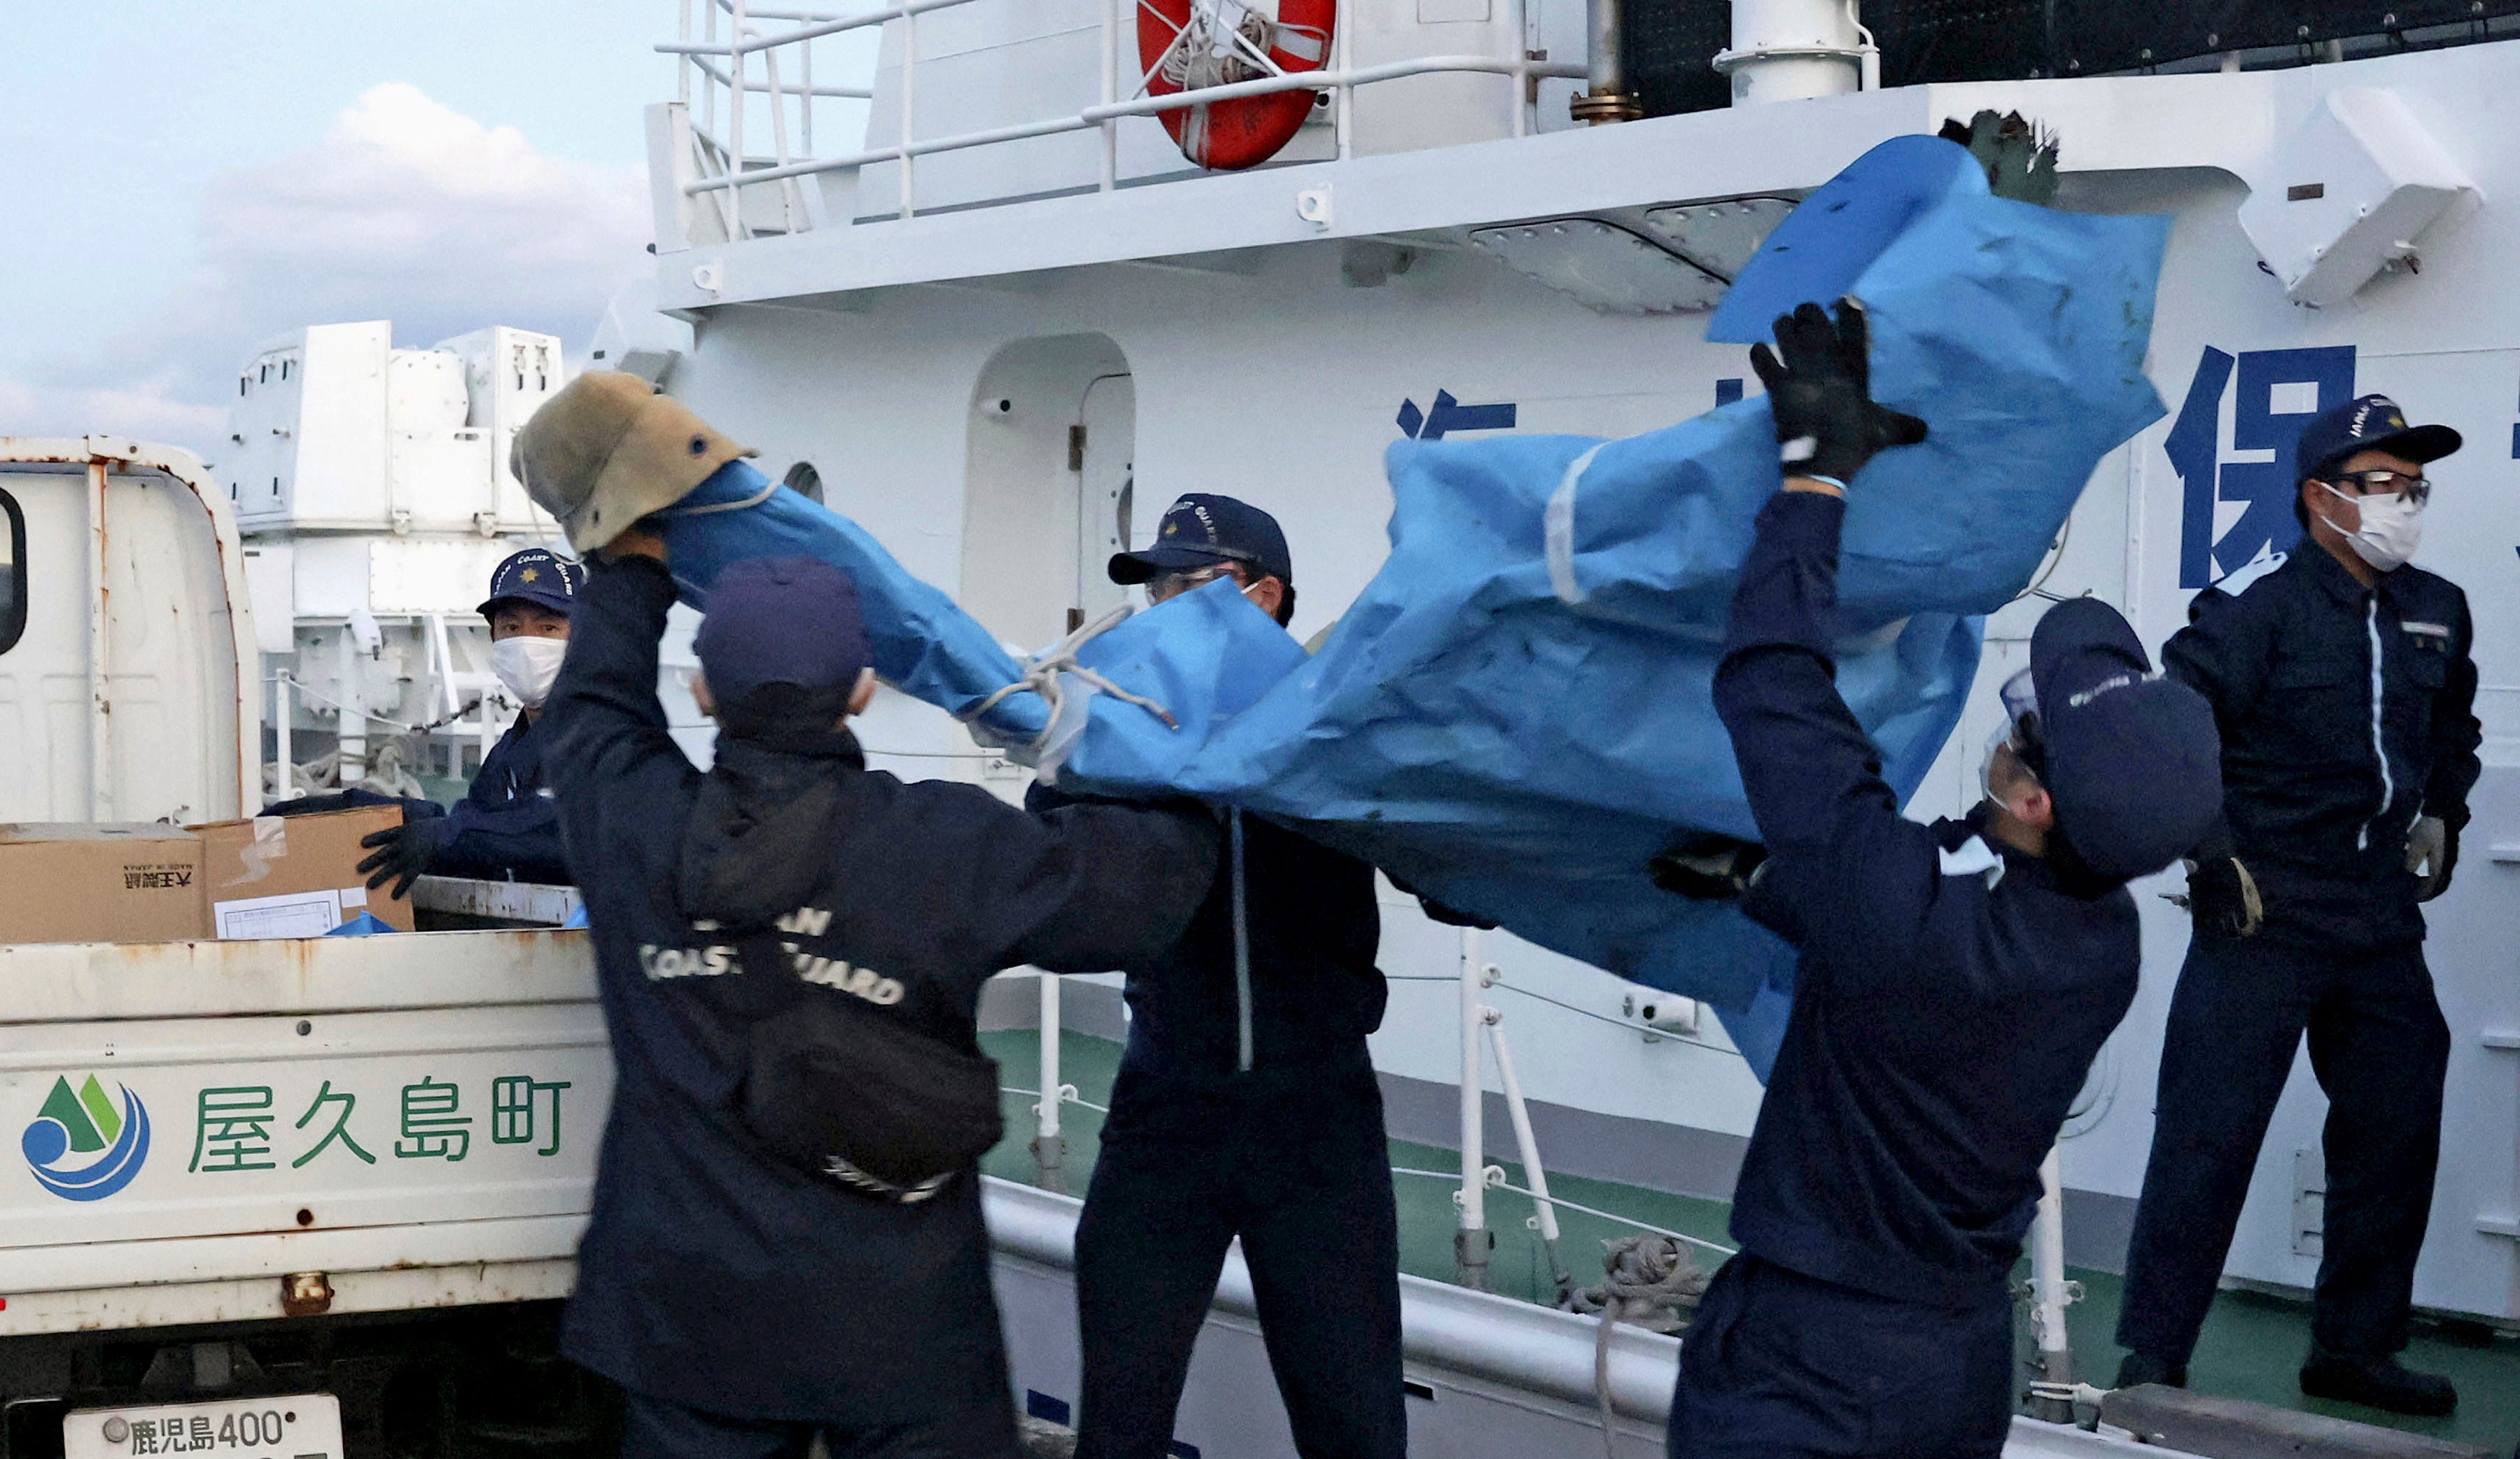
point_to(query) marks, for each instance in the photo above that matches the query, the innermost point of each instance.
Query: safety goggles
(2418, 490)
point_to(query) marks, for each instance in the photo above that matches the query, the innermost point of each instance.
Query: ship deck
(2253, 1342)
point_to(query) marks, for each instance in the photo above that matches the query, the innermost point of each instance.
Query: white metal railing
(715, 65)
(1477, 1176)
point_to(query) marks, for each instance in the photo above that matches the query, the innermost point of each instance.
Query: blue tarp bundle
(1515, 714)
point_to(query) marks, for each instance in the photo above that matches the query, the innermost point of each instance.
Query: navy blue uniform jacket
(710, 1274)
(1313, 929)
(1951, 995)
(507, 826)
(2346, 712)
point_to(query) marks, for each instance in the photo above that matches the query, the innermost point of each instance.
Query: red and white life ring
(1188, 44)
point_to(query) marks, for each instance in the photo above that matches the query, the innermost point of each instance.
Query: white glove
(2429, 855)
(2424, 844)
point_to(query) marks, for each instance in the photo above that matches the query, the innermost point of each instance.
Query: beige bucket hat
(608, 450)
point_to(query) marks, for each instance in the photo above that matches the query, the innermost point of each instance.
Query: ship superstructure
(372, 487)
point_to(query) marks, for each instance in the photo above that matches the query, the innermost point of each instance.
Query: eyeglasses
(2020, 696)
(1165, 585)
(1174, 582)
(2020, 730)
(2415, 489)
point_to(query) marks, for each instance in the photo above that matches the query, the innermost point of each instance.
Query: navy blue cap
(536, 576)
(781, 621)
(1199, 531)
(2373, 423)
(2133, 762)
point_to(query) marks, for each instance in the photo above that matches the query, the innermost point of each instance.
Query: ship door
(1047, 491)
(1102, 446)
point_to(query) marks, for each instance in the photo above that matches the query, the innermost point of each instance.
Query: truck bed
(395, 1122)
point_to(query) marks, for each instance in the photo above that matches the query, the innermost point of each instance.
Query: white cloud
(143, 413)
(407, 210)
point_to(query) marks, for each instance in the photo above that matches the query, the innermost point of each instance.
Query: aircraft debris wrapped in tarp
(1515, 715)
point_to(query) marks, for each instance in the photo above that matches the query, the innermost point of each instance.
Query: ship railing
(719, 66)
(2049, 1291)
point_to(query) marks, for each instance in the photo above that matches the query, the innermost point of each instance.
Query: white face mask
(2393, 527)
(527, 665)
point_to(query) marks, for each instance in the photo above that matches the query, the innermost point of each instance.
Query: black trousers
(1295, 1164)
(653, 1428)
(2379, 1047)
(1778, 1364)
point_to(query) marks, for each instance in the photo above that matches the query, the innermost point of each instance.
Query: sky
(187, 179)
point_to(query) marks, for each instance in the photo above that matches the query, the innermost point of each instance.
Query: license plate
(297, 1425)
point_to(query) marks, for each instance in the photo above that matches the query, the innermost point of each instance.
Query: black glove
(1820, 394)
(403, 852)
(1436, 911)
(1452, 916)
(1706, 867)
(2222, 899)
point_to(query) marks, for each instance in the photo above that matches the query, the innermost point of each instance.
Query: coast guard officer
(1956, 979)
(1247, 1106)
(2344, 688)
(748, 1301)
(505, 827)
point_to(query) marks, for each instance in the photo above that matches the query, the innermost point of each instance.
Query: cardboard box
(99, 882)
(294, 876)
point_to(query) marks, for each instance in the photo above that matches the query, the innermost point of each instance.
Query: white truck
(263, 1191)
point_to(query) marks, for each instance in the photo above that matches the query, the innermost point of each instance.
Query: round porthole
(805, 482)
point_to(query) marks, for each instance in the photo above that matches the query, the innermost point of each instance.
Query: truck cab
(127, 663)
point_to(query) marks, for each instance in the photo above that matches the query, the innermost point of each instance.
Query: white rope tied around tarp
(1042, 677)
(1647, 1281)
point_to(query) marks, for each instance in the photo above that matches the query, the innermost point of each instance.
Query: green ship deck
(2252, 1346)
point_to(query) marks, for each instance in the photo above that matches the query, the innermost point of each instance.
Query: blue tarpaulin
(1515, 714)
(923, 644)
(365, 925)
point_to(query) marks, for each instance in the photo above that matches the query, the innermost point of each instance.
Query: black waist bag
(841, 1090)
